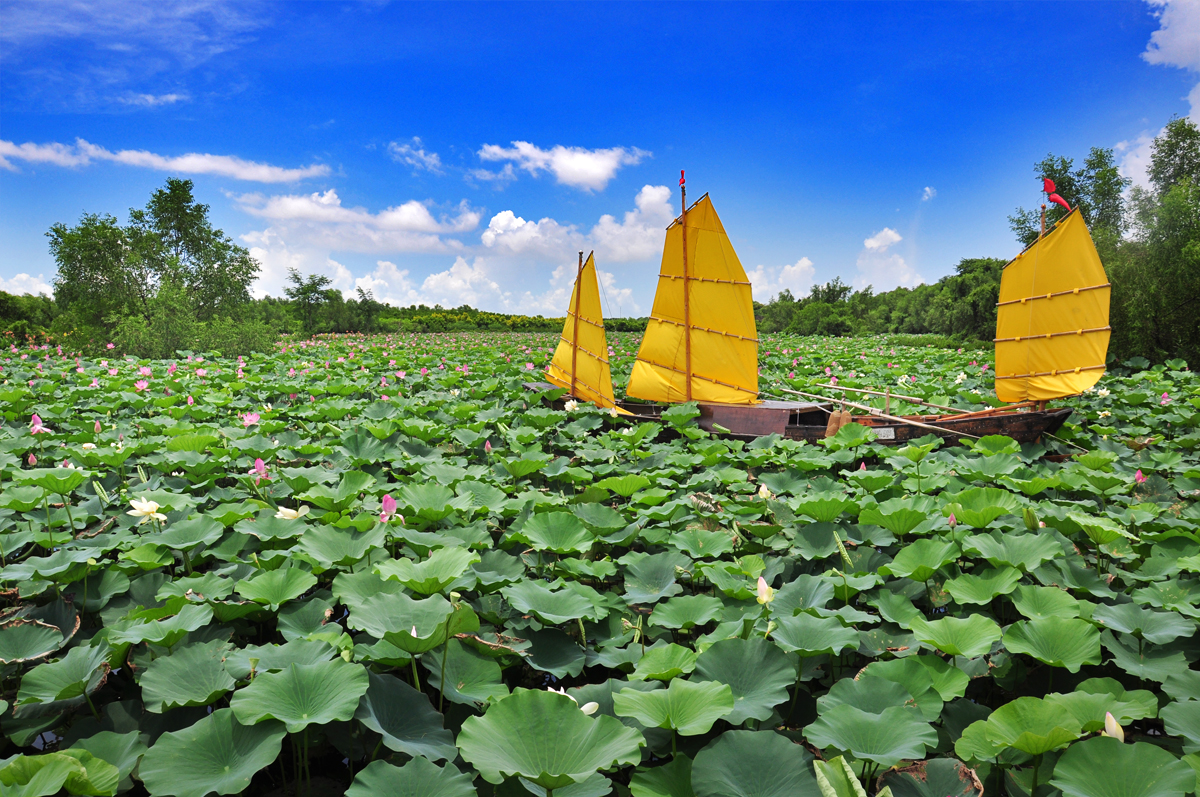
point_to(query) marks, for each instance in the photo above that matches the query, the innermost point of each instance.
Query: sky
(463, 153)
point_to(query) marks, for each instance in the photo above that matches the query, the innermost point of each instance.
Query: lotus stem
(445, 655)
(91, 705)
(1037, 760)
(416, 679)
(67, 506)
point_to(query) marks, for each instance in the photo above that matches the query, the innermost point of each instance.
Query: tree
(1175, 155)
(1097, 188)
(108, 270)
(308, 294)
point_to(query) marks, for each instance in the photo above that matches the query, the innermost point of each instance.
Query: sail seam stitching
(1056, 372)
(1052, 295)
(697, 376)
(1020, 338)
(704, 329)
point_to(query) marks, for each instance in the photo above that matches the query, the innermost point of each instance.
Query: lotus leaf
(1039, 603)
(217, 754)
(938, 777)
(59, 685)
(1056, 641)
(754, 764)
(471, 677)
(686, 611)
(302, 694)
(418, 778)
(1023, 551)
(814, 636)
(980, 588)
(273, 588)
(688, 707)
(443, 567)
(1103, 767)
(664, 663)
(959, 636)
(979, 506)
(921, 559)
(549, 605)
(758, 672)
(404, 718)
(886, 738)
(193, 675)
(545, 738)
(1157, 627)
(672, 779)
(1032, 726)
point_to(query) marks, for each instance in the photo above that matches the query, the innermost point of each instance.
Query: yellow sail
(585, 356)
(724, 340)
(1052, 320)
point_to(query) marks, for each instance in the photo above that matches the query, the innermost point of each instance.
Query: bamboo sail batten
(702, 288)
(577, 365)
(1052, 325)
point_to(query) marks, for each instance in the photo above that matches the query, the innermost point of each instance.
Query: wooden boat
(701, 343)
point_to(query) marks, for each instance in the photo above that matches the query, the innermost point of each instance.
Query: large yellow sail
(584, 353)
(1052, 320)
(724, 340)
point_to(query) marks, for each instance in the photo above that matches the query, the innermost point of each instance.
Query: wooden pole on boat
(687, 307)
(575, 322)
(880, 414)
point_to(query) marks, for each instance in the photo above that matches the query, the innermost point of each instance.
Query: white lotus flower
(589, 708)
(1112, 727)
(570, 405)
(146, 510)
(1105, 413)
(958, 380)
(291, 514)
(89, 446)
(612, 411)
(764, 493)
(1102, 392)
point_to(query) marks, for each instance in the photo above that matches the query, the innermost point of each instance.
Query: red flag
(681, 176)
(1056, 199)
(1048, 185)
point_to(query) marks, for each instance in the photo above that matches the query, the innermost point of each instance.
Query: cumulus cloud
(25, 283)
(1176, 43)
(878, 268)
(588, 169)
(414, 155)
(276, 257)
(768, 281)
(639, 235)
(928, 194)
(510, 234)
(82, 153)
(326, 207)
(499, 178)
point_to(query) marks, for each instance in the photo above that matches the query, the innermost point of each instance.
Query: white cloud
(84, 153)
(881, 270)
(508, 233)
(152, 100)
(275, 257)
(589, 169)
(880, 241)
(640, 235)
(505, 175)
(414, 155)
(326, 207)
(1175, 43)
(928, 194)
(24, 283)
(768, 281)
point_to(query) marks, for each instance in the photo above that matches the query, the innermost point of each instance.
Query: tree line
(1148, 239)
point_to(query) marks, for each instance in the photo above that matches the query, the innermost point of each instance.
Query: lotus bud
(590, 708)
(97, 427)
(863, 466)
(1112, 727)
(253, 667)
(765, 593)
(764, 493)
(953, 521)
(32, 460)
(1139, 477)
(414, 631)
(487, 447)
(346, 655)
(389, 508)
(1031, 519)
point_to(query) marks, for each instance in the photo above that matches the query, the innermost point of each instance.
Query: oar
(880, 414)
(909, 399)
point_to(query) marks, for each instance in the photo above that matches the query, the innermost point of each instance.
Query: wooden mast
(1041, 405)
(687, 310)
(575, 322)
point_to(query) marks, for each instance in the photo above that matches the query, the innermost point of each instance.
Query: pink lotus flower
(141, 385)
(400, 374)
(145, 371)
(191, 401)
(791, 374)
(828, 370)
(291, 372)
(912, 379)
(1139, 477)
(109, 346)
(389, 509)
(259, 471)
(112, 371)
(863, 466)
(528, 366)
(1165, 400)
(171, 369)
(833, 380)
(36, 426)
(953, 521)
(32, 460)
(424, 371)
(487, 447)
(250, 418)
(95, 382)
(201, 372)
(97, 427)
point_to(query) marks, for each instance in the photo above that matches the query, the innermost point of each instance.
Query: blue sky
(463, 153)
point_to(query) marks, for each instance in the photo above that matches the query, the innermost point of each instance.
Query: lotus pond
(381, 566)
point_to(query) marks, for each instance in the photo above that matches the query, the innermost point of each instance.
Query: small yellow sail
(724, 340)
(585, 355)
(1052, 320)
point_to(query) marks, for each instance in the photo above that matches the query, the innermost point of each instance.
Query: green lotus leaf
(979, 588)
(979, 506)
(60, 481)
(557, 532)
(302, 695)
(59, 685)
(22, 498)
(899, 515)
(686, 611)
(1056, 641)
(174, 625)
(273, 588)
(23, 640)
(814, 636)
(1134, 703)
(276, 657)
(921, 559)
(1183, 685)
(825, 507)
(1090, 708)
(418, 778)
(1149, 662)
(806, 592)
(336, 499)
(193, 675)
(268, 527)
(552, 651)
(148, 557)
(662, 663)
(523, 466)
(443, 567)
(887, 738)
(1032, 726)
(624, 486)
(123, 750)
(688, 707)
(921, 674)
(1039, 603)
(188, 534)
(1183, 720)
(1104, 767)
(405, 718)
(1157, 627)
(754, 764)
(77, 771)
(649, 578)
(217, 754)
(497, 569)
(974, 744)
(545, 738)
(1101, 530)
(758, 672)
(835, 777)
(938, 777)
(867, 693)
(672, 779)
(701, 544)
(959, 636)
(330, 546)
(471, 676)
(549, 605)
(1023, 551)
